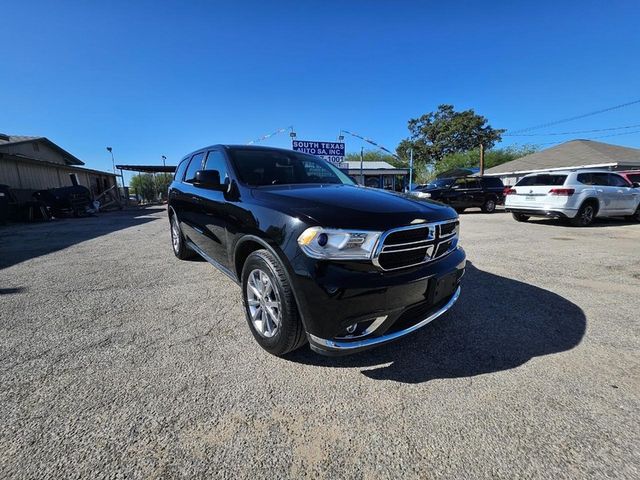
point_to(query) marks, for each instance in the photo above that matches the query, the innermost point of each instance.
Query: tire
(636, 216)
(520, 217)
(269, 304)
(489, 205)
(585, 215)
(178, 243)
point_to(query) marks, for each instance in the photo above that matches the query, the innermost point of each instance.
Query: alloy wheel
(587, 215)
(175, 235)
(263, 300)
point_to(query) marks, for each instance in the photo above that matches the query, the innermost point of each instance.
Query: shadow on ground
(597, 223)
(20, 242)
(497, 324)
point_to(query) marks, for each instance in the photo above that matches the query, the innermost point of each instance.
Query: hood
(347, 206)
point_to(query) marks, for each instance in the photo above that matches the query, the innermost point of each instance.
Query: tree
(435, 135)
(471, 158)
(144, 186)
(371, 156)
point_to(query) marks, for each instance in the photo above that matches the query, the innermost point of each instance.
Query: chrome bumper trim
(335, 345)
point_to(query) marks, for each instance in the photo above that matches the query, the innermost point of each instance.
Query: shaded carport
(152, 169)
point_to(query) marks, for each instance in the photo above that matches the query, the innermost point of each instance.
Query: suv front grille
(414, 245)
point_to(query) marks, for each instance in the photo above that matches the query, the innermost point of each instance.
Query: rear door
(458, 195)
(474, 194)
(625, 198)
(605, 192)
(190, 202)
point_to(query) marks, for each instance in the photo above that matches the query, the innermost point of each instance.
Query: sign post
(332, 152)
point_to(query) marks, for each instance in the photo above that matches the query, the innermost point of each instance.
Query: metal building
(377, 174)
(28, 164)
(572, 155)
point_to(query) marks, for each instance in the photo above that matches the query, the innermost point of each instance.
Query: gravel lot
(118, 360)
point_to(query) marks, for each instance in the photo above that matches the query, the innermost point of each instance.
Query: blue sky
(164, 78)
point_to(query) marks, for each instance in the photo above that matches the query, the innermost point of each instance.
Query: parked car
(579, 196)
(632, 176)
(318, 257)
(465, 192)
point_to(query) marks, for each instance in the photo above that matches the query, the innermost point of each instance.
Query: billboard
(331, 151)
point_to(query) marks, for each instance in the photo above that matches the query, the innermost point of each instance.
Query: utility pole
(361, 165)
(164, 175)
(113, 162)
(481, 159)
(410, 168)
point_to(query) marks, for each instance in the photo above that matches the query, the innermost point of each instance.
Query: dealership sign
(331, 151)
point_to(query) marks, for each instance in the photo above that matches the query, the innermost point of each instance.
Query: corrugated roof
(8, 139)
(15, 139)
(571, 154)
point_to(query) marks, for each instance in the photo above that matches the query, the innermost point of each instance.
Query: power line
(264, 137)
(368, 140)
(594, 138)
(568, 133)
(577, 117)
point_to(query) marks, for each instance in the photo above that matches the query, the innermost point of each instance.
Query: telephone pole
(361, 165)
(481, 159)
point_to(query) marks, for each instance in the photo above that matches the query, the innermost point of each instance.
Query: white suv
(579, 196)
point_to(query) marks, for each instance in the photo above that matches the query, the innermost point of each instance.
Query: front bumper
(331, 297)
(329, 347)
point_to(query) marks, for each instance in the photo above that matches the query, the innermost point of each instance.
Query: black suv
(465, 192)
(318, 257)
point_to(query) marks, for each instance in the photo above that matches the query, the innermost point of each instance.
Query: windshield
(440, 183)
(272, 167)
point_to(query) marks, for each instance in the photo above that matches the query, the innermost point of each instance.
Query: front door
(213, 211)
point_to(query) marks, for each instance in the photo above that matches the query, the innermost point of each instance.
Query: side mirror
(636, 184)
(209, 179)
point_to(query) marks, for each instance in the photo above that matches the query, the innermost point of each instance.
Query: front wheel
(519, 217)
(636, 216)
(269, 304)
(585, 216)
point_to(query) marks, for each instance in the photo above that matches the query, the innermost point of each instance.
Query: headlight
(333, 244)
(420, 194)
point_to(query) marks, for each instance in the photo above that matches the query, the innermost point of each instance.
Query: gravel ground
(119, 361)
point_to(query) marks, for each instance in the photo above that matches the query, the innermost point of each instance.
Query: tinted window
(541, 180)
(594, 178)
(440, 183)
(273, 167)
(216, 161)
(585, 179)
(634, 177)
(492, 182)
(617, 181)
(179, 174)
(194, 166)
(473, 183)
(459, 183)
